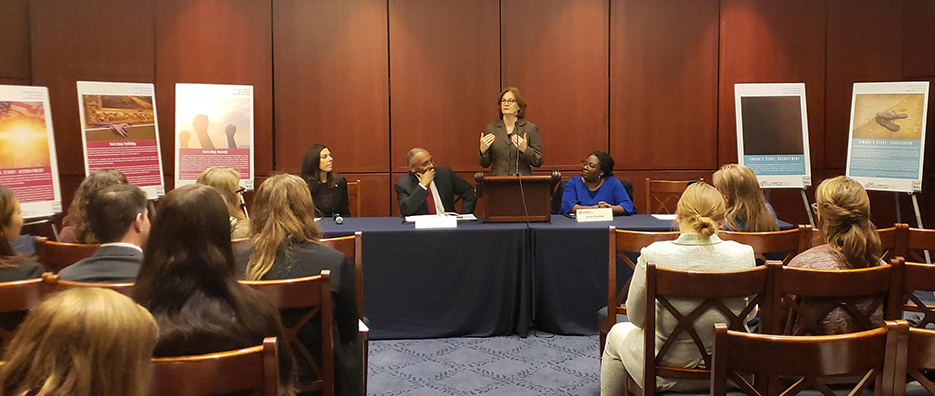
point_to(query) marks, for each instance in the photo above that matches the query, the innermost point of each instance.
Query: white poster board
(28, 165)
(887, 135)
(213, 127)
(772, 133)
(120, 131)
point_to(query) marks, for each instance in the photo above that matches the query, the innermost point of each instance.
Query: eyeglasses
(507, 101)
(815, 207)
(588, 165)
(240, 190)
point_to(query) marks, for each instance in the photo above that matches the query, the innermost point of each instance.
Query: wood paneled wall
(650, 82)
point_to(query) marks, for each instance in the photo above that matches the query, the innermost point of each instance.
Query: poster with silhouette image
(28, 165)
(120, 131)
(886, 144)
(772, 133)
(213, 127)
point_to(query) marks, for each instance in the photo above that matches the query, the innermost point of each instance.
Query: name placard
(600, 214)
(426, 222)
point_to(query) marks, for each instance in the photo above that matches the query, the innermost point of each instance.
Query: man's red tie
(431, 201)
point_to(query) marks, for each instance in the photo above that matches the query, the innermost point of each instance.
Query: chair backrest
(16, 296)
(351, 247)
(57, 255)
(916, 277)
(239, 240)
(557, 197)
(624, 245)
(56, 284)
(806, 297)
(917, 240)
(787, 241)
(919, 355)
(663, 195)
(890, 239)
(711, 290)
(807, 361)
(354, 198)
(313, 295)
(253, 369)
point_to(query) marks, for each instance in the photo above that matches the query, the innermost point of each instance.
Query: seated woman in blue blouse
(597, 188)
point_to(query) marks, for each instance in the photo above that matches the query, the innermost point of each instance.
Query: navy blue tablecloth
(468, 281)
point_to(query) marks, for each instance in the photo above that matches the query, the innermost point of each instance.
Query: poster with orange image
(27, 150)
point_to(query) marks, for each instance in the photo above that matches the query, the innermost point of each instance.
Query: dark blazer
(309, 259)
(412, 197)
(332, 199)
(501, 156)
(109, 264)
(21, 269)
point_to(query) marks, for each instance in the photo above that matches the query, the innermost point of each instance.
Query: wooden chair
(915, 241)
(620, 243)
(253, 369)
(311, 295)
(663, 195)
(18, 296)
(353, 190)
(917, 357)
(55, 284)
(828, 290)
(911, 278)
(57, 255)
(812, 237)
(239, 240)
(788, 242)
(710, 289)
(808, 362)
(351, 247)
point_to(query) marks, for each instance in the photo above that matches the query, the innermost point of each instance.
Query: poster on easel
(887, 135)
(213, 127)
(772, 133)
(28, 165)
(120, 131)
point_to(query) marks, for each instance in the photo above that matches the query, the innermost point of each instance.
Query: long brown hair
(77, 212)
(8, 204)
(746, 206)
(702, 207)
(227, 182)
(81, 342)
(844, 216)
(283, 214)
(311, 168)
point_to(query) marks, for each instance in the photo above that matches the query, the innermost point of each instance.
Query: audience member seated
(76, 229)
(747, 209)
(13, 266)
(329, 190)
(187, 282)
(851, 241)
(81, 342)
(700, 212)
(283, 245)
(120, 220)
(597, 188)
(227, 183)
(430, 189)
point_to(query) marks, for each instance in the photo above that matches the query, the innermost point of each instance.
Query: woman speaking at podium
(511, 145)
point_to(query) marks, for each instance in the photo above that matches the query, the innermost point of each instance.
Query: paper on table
(665, 216)
(460, 217)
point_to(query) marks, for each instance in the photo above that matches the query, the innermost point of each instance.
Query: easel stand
(915, 206)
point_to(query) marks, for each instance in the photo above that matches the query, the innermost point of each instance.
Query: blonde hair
(283, 214)
(81, 342)
(701, 206)
(226, 181)
(746, 206)
(844, 215)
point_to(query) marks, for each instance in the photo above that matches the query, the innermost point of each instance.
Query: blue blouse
(611, 191)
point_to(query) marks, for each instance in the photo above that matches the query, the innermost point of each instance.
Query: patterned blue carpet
(544, 365)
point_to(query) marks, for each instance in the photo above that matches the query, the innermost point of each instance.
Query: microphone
(516, 166)
(337, 218)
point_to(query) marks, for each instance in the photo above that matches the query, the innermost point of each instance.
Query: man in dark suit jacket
(428, 189)
(118, 216)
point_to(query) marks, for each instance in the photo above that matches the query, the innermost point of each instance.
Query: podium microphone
(516, 165)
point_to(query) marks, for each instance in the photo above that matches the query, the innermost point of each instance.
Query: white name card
(426, 222)
(600, 214)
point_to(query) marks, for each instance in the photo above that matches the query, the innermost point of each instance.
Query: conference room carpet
(541, 364)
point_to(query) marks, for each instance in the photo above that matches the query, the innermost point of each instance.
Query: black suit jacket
(109, 264)
(412, 197)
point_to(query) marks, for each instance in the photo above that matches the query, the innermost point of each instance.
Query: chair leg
(603, 339)
(365, 351)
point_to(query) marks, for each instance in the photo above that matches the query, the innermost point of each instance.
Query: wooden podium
(504, 196)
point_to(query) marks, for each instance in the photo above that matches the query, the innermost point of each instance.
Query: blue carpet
(544, 365)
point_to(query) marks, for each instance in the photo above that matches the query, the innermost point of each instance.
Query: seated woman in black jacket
(13, 266)
(328, 190)
(284, 245)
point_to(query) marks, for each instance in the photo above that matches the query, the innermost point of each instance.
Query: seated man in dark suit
(428, 189)
(118, 216)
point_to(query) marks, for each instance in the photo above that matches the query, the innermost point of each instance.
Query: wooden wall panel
(445, 78)
(15, 66)
(215, 42)
(919, 39)
(567, 93)
(775, 42)
(331, 80)
(864, 45)
(663, 84)
(70, 44)
(376, 190)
